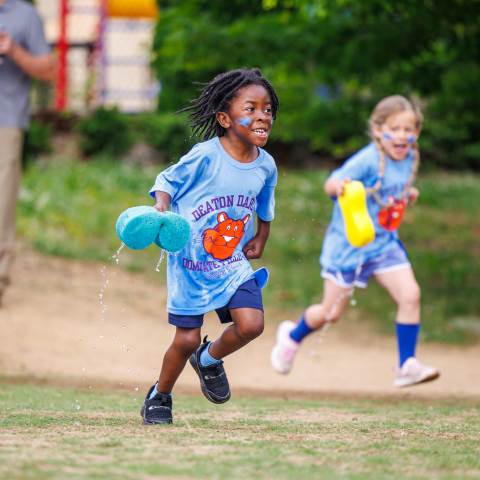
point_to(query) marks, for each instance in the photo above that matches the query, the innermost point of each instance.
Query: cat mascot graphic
(220, 242)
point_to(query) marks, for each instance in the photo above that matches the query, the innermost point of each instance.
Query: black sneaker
(213, 378)
(157, 409)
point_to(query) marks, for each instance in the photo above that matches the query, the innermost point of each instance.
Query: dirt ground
(55, 327)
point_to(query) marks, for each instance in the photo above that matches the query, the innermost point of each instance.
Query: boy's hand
(162, 203)
(254, 248)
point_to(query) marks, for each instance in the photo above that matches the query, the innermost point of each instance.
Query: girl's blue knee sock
(301, 330)
(206, 359)
(407, 336)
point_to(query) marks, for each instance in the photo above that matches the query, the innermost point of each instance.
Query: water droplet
(160, 260)
(116, 256)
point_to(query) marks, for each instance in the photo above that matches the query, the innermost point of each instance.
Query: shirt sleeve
(266, 198)
(36, 43)
(178, 178)
(357, 167)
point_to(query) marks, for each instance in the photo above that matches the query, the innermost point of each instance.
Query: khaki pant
(11, 140)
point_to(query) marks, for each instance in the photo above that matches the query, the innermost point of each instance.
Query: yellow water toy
(358, 224)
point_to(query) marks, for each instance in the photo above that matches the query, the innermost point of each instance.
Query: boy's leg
(290, 335)
(185, 342)
(405, 292)
(247, 325)
(157, 407)
(207, 360)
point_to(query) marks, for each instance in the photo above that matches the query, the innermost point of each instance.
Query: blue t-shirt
(219, 196)
(337, 253)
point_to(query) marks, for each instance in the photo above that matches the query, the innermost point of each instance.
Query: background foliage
(331, 61)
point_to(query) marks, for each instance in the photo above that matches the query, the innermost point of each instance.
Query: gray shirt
(22, 22)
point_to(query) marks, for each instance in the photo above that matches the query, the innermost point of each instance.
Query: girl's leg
(247, 325)
(404, 290)
(289, 334)
(185, 342)
(334, 302)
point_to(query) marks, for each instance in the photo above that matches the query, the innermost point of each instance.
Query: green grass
(53, 433)
(70, 208)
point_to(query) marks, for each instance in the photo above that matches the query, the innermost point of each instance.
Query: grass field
(63, 433)
(70, 208)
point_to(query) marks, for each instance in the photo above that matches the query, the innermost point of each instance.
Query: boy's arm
(162, 201)
(254, 248)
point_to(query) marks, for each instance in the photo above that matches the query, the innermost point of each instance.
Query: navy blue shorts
(248, 295)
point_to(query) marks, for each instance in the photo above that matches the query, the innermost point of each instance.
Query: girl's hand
(341, 187)
(413, 195)
(254, 248)
(336, 188)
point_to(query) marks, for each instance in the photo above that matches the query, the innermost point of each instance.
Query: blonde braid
(413, 173)
(373, 191)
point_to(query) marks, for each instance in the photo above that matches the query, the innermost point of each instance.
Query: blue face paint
(244, 121)
(411, 139)
(387, 136)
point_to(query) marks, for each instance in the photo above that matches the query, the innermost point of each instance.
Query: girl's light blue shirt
(337, 253)
(208, 186)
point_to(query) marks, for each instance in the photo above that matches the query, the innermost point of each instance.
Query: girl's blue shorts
(394, 258)
(248, 295)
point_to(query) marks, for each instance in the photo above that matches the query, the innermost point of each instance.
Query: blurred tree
(331, 61)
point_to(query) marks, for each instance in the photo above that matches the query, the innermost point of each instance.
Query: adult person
(24, 54)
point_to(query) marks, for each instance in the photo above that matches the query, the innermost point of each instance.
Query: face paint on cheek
(411, 139)
(387, 136)
(244, 121)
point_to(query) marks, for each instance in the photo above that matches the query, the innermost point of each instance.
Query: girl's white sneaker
(283, 353)
(413, 372)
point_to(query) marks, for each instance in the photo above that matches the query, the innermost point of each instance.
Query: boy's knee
(188, 341)
(251, 328)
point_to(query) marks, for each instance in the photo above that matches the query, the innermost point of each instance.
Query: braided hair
(386, 107)
(216, 96)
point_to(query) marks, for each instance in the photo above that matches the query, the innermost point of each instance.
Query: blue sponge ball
(174, 232)
(137, 227)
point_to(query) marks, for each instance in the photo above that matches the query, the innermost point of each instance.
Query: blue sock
(301, 330)
(206, 359)
(154, 392)
(407, 336)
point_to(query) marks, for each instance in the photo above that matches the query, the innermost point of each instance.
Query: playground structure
(103, 50)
